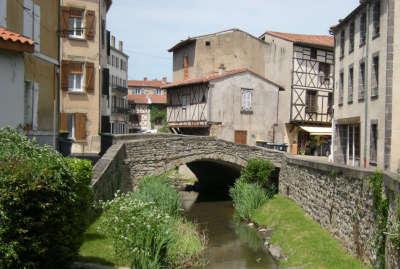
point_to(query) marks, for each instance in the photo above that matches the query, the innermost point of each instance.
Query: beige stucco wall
(279, 68)
(376, 107)
(234, 49)
(225, 102)
(395, 158)
(86, 51)
(40, 67)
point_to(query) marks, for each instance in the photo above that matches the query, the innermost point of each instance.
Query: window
(376, 18)
(158, 91)
(330, 104)
(208, 43)
(361, 83)
(351, 37)
(247, 96)
(311, 101)
(116, 62)
(375, 77)
(349, 139)
(31, 22)
(75, 82)
(3, 13)
(75, 22)
(138, 91)
(31, 98)
(103, 33)
(342, 43)
(341, 86)
(314, 53)
(373, 143)
(324, 72)
(363, 29)
(351, 84)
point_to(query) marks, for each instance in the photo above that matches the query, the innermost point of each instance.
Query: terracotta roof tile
(214, 76)
(7, 35)
(147, 98)
(147, 83)
(317, 40)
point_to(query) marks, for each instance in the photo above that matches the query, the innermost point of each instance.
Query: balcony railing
(120, 89)
(121, 110)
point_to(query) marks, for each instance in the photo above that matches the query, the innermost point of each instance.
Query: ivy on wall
(381, 209)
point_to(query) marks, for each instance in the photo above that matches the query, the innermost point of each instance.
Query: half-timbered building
(238, 105)
(305, 65)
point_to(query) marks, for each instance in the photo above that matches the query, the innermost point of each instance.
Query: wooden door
(241, 137)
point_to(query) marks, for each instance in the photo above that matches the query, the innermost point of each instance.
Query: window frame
(341, 88)
(363, 29)
(362, 76)
(375, 66)
(350, 89)
(247, 100)
(376, 19)
(75, 74)
(352, 28)
(72, 32)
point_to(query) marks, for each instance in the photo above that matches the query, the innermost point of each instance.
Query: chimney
(113, 41)
(164, 79)
(221, 69)
(145, 78)
(121, 45)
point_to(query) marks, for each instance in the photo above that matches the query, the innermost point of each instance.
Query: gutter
(366, 96)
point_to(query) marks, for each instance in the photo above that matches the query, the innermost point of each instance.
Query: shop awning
(317, 130)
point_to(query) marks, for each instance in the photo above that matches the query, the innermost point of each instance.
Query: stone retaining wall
(340, 199)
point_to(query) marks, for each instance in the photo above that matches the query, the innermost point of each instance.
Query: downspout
(57, 83)
(277, 117)
(366, 98)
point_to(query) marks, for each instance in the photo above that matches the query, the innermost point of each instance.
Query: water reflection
(231, 245)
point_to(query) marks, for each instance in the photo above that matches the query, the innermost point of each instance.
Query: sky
(150, 27)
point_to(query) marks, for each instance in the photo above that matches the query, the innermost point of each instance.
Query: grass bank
(304, 241)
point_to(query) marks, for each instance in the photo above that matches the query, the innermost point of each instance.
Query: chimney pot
(121, 45)
(113, 41)
(164, 79)
(145, 78)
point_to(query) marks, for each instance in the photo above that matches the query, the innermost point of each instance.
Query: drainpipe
(277, 118)
(366, 96)
(57, 83)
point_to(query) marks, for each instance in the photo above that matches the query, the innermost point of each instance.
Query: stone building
(230, 49)
(29, 65)
(142, 96)
(115, 109)
(302, 64)
(237, 105)
(84, 53)
(367, 73)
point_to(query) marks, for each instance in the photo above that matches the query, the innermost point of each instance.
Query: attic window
(208, 43)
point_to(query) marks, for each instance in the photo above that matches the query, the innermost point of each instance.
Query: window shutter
(65, 13)
(64, 75)
(28, 104)
(89, 77)
(36, 29)
(63, 122)
(35, 106)
(80, 126)
(28, 19)
(90, 24)
(3, 13)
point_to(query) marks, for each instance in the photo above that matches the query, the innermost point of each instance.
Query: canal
(231, 245)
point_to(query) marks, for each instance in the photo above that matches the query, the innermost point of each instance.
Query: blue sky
(150, 27)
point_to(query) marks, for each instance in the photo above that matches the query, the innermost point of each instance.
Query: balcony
(120, 110)
(119, 89)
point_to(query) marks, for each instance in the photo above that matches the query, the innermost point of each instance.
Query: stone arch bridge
(134, 156)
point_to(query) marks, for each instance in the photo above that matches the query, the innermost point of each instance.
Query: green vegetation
(145, 230)
(44, 201)
(158, 116)
(247, 197)
(306, 244)
(258, 171)
(381, 210)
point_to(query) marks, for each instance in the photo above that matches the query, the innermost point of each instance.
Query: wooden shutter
(63, 122)
(64, 24)
(80, 126)
(90, 24)
(89, 77)
(64, 75)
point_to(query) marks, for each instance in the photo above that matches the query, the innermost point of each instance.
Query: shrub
(44, 199)
(247, 197)
(257, 171)
(157, 190)
(138, 230)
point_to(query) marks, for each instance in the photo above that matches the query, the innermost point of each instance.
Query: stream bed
(231, 245)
